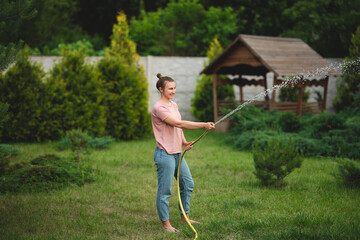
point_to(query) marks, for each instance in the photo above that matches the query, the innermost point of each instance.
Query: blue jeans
(167, 165)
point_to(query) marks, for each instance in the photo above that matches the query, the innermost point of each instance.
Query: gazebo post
(273, 96)
(214, 78)
(325, 93)
(266, 96)
(241, 94)
(265, 86)
(300, 103)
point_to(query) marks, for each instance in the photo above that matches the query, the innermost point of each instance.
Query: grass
(228, 199)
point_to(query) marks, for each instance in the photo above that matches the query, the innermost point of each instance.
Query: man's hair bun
(159, 75)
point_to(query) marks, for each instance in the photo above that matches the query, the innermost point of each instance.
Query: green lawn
(227, 199)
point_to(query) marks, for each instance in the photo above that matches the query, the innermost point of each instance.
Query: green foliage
(321, 124)
(309, 146)
(63, 144)
(54, 25)
(93, 143)
(6, 152)
(111, 97)
(11, 14)
(100, 143)
(121, 46)
(126, 99)
(336, 135)
(78, 141)
(325, 18)
(354, 50)
(23, 88)
(289, 122)
(187, 26)
(126, 87)
(291, 94)
(348, 86)
(8, 54)
(349, 172)
(4, 113)
(221, 23)
(183, 28)
(75, 96)
(274, 162)
(339, 134)
(202, 105)
(254, 118)
(81, 45)
(147, 31)
(44, 173)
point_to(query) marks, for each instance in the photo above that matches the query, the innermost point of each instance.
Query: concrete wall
(185, 70)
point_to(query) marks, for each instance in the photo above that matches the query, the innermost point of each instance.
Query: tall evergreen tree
(126, 86)
(22, 87)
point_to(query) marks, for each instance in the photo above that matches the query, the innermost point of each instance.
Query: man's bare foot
(183, 220)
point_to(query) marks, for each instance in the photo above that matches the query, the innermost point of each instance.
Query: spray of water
(289, 81)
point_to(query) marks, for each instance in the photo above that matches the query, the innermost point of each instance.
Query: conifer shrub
(63, 144)
(93, 143)
(289, 122)
(23, 88)
(333, 135)
(353, 122)
(75, 96)
(321, 124)
(342, 143)
(78, 141)
(6, 152)
(125, 86)
(348, 172)
(245, 140)
(4, 116)
(45, 173)
(291, 94)
(126, 100)
(254, 118)
(100, 142)
(274, 162)
(310, 147)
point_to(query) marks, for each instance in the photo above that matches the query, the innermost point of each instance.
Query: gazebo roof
(257, 55)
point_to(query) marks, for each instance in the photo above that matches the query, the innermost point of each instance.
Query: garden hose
(178, 185)
(178, 172)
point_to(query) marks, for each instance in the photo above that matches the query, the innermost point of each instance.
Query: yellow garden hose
(181, 158)
(178, 185)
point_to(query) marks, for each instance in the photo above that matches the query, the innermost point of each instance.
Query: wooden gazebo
(249, 58)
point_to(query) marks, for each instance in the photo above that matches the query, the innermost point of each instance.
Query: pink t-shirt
(167, 137)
